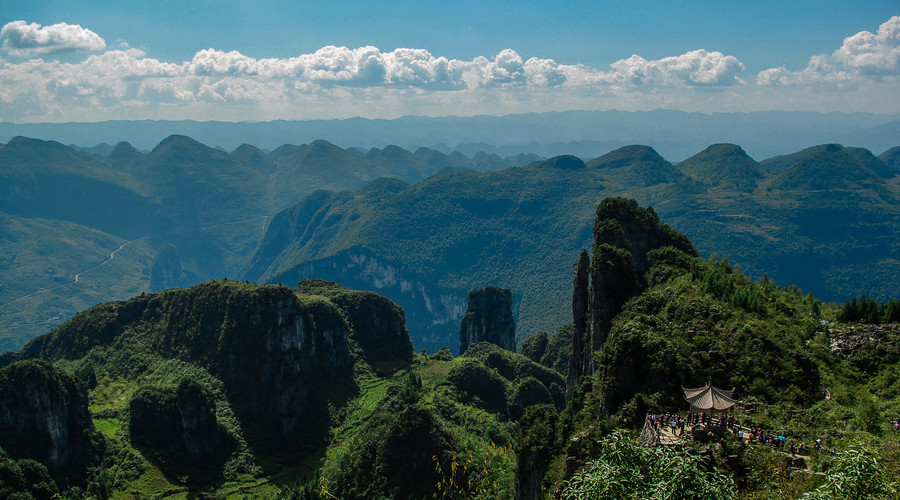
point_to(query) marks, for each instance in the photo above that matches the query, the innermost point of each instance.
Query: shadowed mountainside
(823, 218)
(426, 245)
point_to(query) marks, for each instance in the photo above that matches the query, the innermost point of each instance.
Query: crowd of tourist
(674, 423)
(752, 434)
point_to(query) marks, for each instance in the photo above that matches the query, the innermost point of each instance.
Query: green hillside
(822, 219)
(65, 211)
(39, 261)
(723, 165)
(229, 389)
(636, 166)
(516, 228)
(44, 179)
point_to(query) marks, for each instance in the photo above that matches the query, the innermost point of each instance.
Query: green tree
(625, 469)
(535, 449)
(892, 312)
(535, 346)
(855, 474)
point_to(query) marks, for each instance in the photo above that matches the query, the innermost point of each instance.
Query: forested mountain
(228, 389)
(184, 212)
(795, 218)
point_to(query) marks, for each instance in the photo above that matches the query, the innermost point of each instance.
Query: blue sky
(109, 60)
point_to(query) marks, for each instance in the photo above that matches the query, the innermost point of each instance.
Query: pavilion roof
(709, 398)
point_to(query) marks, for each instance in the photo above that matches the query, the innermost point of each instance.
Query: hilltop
(675, 134)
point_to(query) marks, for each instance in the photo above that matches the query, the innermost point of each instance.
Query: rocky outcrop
(581, 360)
(166, 271)
(624, 235)
(488, 318)
(178, 427)
(44, 416)
(270, 347)
(376, 324)
(849, 338)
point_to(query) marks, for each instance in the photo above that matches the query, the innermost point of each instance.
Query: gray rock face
(581, 361)
(377, 324)
(270, 348)
(178, 426)
(166, 271)
(431, 312)
(44, 416)
(488, 318)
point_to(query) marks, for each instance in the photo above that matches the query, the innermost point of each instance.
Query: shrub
(626, 470)
(480, 385)
(855, 474)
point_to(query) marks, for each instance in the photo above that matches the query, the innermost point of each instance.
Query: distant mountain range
(676, 135)
(422, 227)
(826, 218)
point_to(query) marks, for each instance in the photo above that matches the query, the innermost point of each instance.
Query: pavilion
(709, 400)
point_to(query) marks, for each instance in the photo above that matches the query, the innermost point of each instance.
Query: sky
(63, 61)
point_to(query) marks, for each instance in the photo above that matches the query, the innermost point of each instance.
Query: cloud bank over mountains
(21, 39)
(862, 57)
(369, 67)
(338, 82)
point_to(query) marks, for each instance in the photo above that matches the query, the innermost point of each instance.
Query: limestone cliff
(488, 318)
(376, 324)
(44, 416)
(166, 271)
(624, 234)
(579, 363)
(268, 345)
(431, 310)
(177, 427)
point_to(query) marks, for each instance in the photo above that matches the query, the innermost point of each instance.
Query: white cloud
(869, 53)
(697, 67)
(544, 72)
(21, 39)
(340, 80)
(863, 56)
(417, 67)
(337, 82)
(164, 91)
(368, 66)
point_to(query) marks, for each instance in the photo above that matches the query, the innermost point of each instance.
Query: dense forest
(229, 389)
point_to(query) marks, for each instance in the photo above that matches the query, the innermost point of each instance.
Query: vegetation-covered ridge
(81, 228)
(232, 389)
(789, 357)
(518, 228)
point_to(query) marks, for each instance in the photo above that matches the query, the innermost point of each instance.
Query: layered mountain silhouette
(422, 228)
(675, 134)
